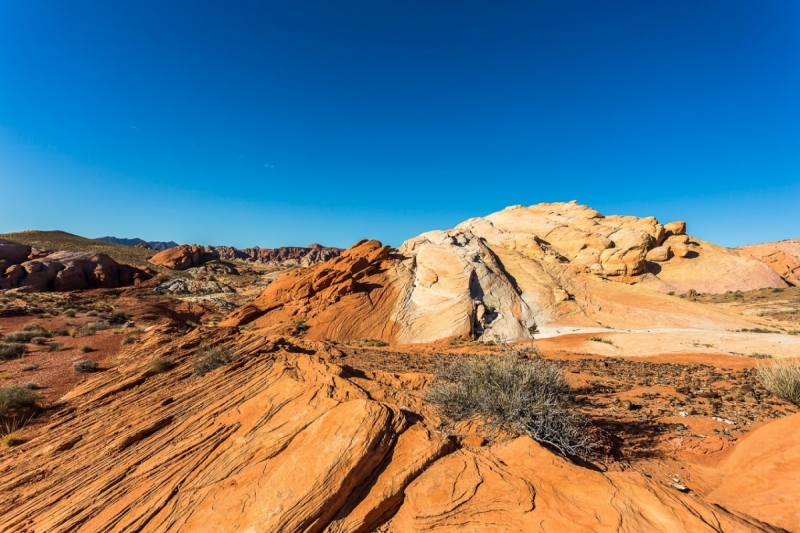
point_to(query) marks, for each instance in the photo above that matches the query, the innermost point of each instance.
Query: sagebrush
(208, 359)
(531, 395)
(782, 378)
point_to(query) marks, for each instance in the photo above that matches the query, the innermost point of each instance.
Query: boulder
(14, 254)
(183, 257)
(677, 227)
(659, 254)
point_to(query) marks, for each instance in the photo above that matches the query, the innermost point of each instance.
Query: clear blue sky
(282, 123)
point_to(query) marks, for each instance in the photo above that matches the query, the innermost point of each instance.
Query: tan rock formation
(783, 257)
(504, 276)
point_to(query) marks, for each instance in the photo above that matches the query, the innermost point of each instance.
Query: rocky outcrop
(182, 257)
(187, 256)
(22, 267)
(783, 257)
(139, 243)
(284, 256)
(511, 274)
(282, 440)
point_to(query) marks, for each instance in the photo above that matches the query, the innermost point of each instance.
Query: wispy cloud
(267, 165)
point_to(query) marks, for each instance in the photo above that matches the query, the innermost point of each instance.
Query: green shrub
(129, 340)
(208, 359)
(61, 332)
(760, 356)
(601, 339)
(16, 396)
(532, 396)
(118, 317)
(782, 378)
(84, 366)
(372, 342)
(55, 346)
(11, 351)
(33, 326)
(24, 336)
(39, 340)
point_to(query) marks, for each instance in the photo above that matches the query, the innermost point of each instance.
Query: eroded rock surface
(282, 439)
(26, 268)
(511, 275)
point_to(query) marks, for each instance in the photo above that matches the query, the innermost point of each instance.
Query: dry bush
(16, 396)
(84, 366)
(532, 396)
(55, 346)
(11, 351)
(33, 326)
(159, 365)
(782, 378)
(25, 336)
(85, 349)
(208, 359)
(9, 432)
(39, 340)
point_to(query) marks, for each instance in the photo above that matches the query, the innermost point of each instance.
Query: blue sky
(285, 123)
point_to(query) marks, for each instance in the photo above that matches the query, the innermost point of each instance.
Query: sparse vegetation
(11, 351)
(757, 330)
(760, 356)
(85, 349)
(84, 366)
(301, 325)
(531, 396)
(782, 378)
(130, 339)
(372, 342)
(33, 326)
(39, 340)
(595, 338)
(159, 365)
(15, 396)
(55, 346)
(30, 368)
(208, 359)
(70, 313)
(24, 336)
(9, 432)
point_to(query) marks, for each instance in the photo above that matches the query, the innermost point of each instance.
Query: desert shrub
(39, 340)
(70, 313)
(30, 368)
(24, 336)
(301, 325)
(16, 396)
(794, 332)
(33, 326)
(372, 342)
(31, 385)
(84, 366)
(531, 396)
(92, 313)
(9, 431)
(11, 351)
(128, 340)
(208, 359)
(85, 349)
(600, 339)
(782, 378)
(55, 346)
(760, 356)
(118, 317)
(159, 365)
(61, 332)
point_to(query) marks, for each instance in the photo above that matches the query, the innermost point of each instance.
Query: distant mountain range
(155, 245)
